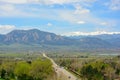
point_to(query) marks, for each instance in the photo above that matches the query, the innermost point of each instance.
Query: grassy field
(72, 61)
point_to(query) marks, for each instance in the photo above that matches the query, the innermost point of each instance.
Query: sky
(63, 17)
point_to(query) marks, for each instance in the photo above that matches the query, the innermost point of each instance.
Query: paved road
(61, 72)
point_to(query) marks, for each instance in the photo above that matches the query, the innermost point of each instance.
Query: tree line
(93, 69)
(39, 69)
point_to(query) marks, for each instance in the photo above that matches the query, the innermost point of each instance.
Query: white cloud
(14, 1)
(5, 9)
(108, 23)
(79, 15)
(81, 22)
(70, 16)
(69, 1)
(49, 24)
(89, 33)
(10, 10)
(46, 1)
(114, 4)
(81, 10)
(6, 28)
(103, 23)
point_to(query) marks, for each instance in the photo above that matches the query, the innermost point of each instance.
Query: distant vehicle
(69, 77)
(62, 67)
(55, 69)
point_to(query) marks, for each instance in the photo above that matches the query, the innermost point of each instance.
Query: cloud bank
(73, 14)
(6, 28)
(89, 33)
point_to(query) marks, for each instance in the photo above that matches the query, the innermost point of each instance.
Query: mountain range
(35, 36)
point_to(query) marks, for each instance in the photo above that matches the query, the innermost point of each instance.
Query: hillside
(51, 41)
(32, 36)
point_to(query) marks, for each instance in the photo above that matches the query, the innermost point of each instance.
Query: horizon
(63, 17)
(72, 33)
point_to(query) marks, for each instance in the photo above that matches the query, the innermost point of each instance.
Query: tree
(3, 73)
(22, 71)
(91, 73)
(40, 69)
(7, 70)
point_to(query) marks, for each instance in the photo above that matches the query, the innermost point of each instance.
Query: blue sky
(64, 17)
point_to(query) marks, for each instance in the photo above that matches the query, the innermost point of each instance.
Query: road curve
(60, 70)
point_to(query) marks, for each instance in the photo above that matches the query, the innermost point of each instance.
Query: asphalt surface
(61, 72)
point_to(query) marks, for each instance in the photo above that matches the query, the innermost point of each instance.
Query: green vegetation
(39, 69)
(33, 66)
(91, 67)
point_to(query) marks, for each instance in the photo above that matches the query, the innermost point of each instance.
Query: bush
(22, 70)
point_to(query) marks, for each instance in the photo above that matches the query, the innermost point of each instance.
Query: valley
(69, 58)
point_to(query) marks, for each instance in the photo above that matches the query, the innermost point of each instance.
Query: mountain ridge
(35, 36)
